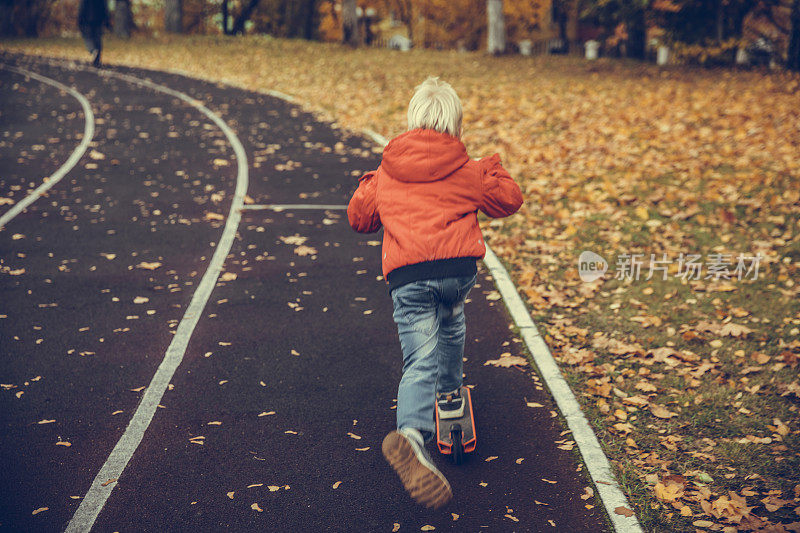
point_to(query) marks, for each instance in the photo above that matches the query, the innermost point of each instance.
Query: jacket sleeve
(500, 196)
(362, 212)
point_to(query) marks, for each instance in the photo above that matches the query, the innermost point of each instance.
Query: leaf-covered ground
(690, 378)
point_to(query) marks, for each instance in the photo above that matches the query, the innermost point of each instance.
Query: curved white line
(88, 134)
(593, 455)
(96, 497)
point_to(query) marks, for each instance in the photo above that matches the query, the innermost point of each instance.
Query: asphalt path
(274, 418)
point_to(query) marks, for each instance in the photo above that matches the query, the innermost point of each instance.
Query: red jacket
(426, 194)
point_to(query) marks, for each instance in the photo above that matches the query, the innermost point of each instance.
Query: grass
(614, 157)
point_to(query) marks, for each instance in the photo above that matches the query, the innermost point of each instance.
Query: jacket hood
(423, 155)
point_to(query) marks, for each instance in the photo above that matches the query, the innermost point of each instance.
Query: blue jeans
(430, 322)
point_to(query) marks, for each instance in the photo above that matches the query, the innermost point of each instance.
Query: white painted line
(96, 497)
(285, 207)
(88, 134)
(596, 461)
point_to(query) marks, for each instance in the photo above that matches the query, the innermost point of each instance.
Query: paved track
(289, 363)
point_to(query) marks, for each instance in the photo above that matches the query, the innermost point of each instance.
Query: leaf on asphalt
(549, 481)
(230, 494)
(254, 485)
(108, 482)
(336, 485)
(220, 162)
(215, 423)
(395, 527)
(141, 300)
(40, 510)
(362, 449)
(148, 266)
(304, 251)
(266, 413)
(427, 527)
(534, 404)
(294, 240)
(214, 216)
(109, 256)
(137, 389)
(490, 458)
(46, 421)
(63, 443)
(273, 488)
(227, 276)
(97, 156)
(353, 436)
(255, 507)
(508, 361)
(624, 511)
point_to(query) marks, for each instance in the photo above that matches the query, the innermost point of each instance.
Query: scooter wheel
(458, 448)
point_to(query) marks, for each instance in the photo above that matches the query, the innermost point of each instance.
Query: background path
(287, 386)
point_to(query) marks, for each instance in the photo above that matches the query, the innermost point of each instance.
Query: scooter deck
(466, 423)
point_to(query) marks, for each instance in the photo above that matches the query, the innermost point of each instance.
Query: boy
(426, 194)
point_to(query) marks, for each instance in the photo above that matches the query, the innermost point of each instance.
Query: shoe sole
(425, 486)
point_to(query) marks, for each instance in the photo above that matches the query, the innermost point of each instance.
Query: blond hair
(436, 106)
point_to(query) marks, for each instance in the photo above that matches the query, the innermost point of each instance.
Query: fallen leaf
(507, 362)
(660, 411)
(148, 266)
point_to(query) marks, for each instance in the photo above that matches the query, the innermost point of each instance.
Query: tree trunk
(311, 22)
(244, 16)
(7, 18)
(123, 19)
(496, 40)
(173, 16)
(349, 23)
(225, 17)
(793, 59)
(637, 35)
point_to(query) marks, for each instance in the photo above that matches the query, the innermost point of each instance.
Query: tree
(7, 18)
(496, 40)
(123, 19)
(243, 17)
(560, 16)
(625, 18)
(793, 56)
(225, 17)
(350, 23)
(173, 16)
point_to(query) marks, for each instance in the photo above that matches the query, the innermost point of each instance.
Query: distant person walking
(92, 16)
